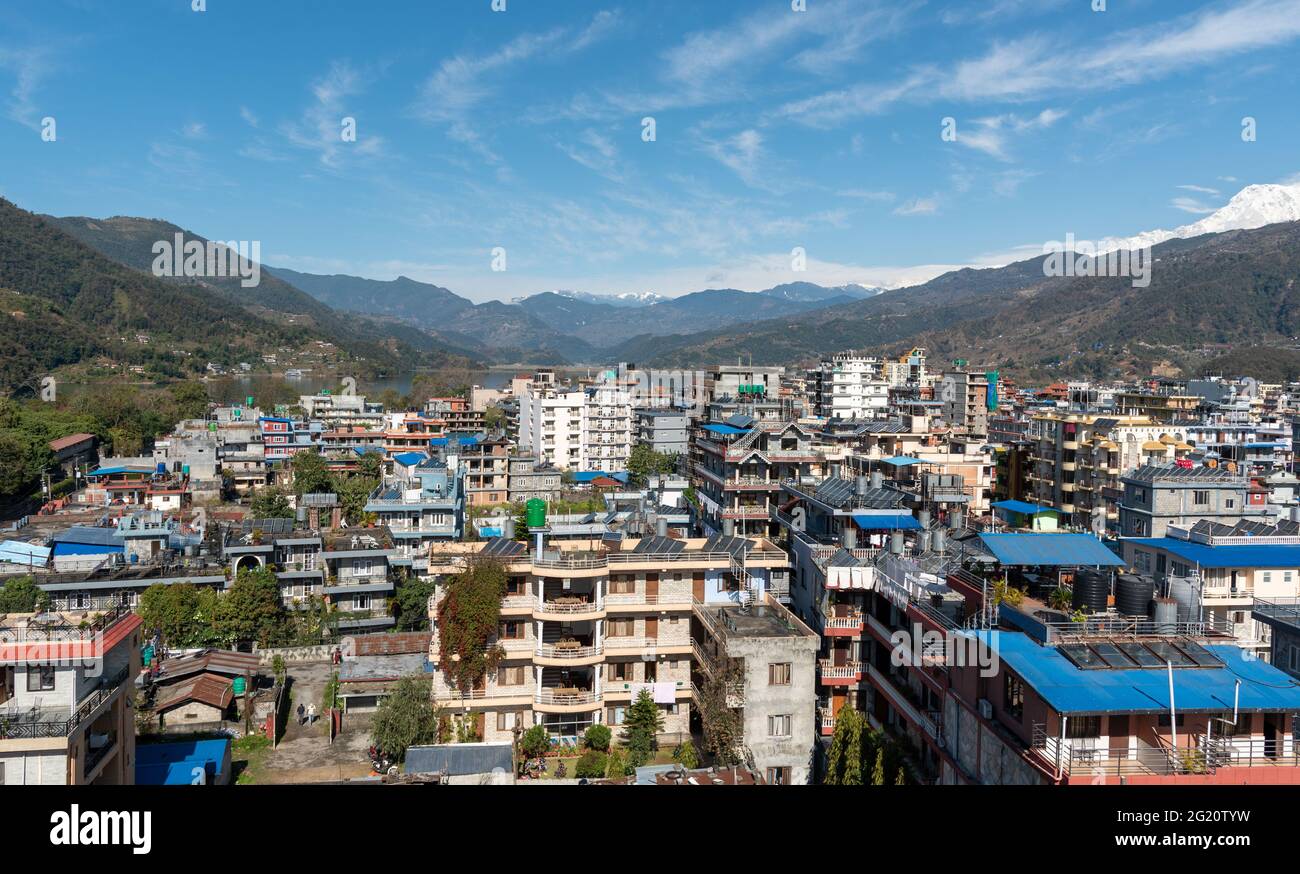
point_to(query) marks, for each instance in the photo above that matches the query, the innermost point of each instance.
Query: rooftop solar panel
(1144, 657)
(1199, 654)
(1113, 655)
(1082, 655)
(1167, 652)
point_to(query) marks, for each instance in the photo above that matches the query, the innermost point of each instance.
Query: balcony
(849, 674)
(572, 608)
(566, 653)
(850, 624)
(32, 724)
(825, 722)
(561, 699)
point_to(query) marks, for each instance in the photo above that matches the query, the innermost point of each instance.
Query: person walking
(302, 713)
(311, 714)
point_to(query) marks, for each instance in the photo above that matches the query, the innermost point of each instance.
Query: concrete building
(341, 409)
(530, 479)
(964, 396)
(663, 430)
(587, 624)
(761, 659)
(550, 424)
(849, 386)
(605, 428)
(66, 716)
(1157, 496)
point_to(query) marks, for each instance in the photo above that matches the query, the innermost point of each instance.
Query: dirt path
(305, 754)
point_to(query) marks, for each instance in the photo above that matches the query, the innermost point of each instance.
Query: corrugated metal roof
(1050, 550)
(1225, 556)
(1069, 689)
(886, 521)
(460, 760)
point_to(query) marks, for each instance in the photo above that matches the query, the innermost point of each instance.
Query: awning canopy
(886, 521)
(1050, 550)
(724, 429)
(902, 460)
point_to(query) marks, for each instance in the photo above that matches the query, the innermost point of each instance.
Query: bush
(616, 766)
(535, 742)
(598, 738)
(684, 754)
(592, 764)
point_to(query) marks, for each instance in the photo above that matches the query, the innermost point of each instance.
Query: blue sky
(522, 129)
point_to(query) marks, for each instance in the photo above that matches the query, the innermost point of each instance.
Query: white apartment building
(850, 386)
(550, 423)
(605, 439)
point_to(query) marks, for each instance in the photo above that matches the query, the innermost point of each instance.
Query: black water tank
(1091, 590)
(1133, 594)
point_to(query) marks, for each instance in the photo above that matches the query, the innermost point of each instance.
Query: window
(1200, 498)
(615, 715)
(778, 674)
(1268, 576)
(779, 726)
(40, 678)
(1085, 726)
(508, 721)
(622, 627)
(778, 776)
(1013, 696)
(622, 585)
(511, 676)
(620, 672)
(512, 630)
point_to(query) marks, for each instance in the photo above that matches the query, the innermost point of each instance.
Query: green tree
(521, 522)
(371, 465)
(535, 742)
(310, 473)
(23, 458)
(616, 765)
(271, 503)
(411, 604)
(353, 494)
(494, 418)
(191, 400)
(721, 722)
(644, 462)
(844, 760)
(406, 718)
(172, 611)
(250, 610)
(878, 772)
(21, 595)
(598, 737)
(469, 615)
(641, 726)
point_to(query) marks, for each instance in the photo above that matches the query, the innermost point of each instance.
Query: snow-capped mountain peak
(1252, 207)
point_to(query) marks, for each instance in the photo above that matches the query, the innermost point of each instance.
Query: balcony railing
(58, 629)
(60, 723)
(567, 696)
(555, 608)
(849, 671)
(560, 651)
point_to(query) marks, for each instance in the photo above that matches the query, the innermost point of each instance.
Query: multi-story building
(529, 479)
(455, 414)
(337, 411)
(486, 467)
(1157, 496)
(282, 437)
(849, 386)
(67, 683)
(423, 504)
(550, 424)
(1076, 460)
(907, 370)
(964, 396)
(666, 431)
(739, 465)
(605, 428)
(1219, 571)
(759, 660)
(587, 624)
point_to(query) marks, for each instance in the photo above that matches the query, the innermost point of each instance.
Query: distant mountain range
(560, 327)
(1253, 207)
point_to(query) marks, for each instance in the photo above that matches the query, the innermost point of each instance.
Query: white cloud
(195, 130)
(320, 128)
(1200, 189)
(597, 153)
(1188, 204)
(249, 118)
(741, 154)
(29, 68)
(918, 206)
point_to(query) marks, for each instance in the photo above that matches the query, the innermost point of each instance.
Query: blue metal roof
(1225, 556)
(885, 521)
(410, 459)
(105, 471)
(1050, 549)
(586, 476)
(460, 760)
(724, 429)
(174, 764)
(902, 460)
(1024, 507)
(88, 534)
(1071, 690)
(363, 450)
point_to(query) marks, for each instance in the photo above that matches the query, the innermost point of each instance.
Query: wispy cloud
(919, 206)
(320, 127)
(1200, 189)
(990, 134)
(29, 67)
(597, 153)
(1188, 204)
